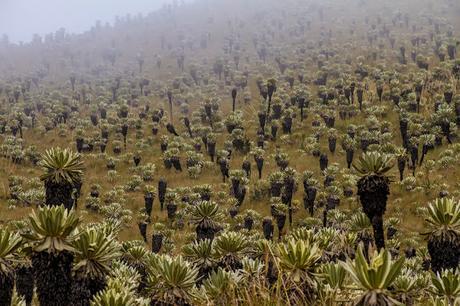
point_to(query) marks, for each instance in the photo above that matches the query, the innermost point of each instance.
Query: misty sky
(20, 19)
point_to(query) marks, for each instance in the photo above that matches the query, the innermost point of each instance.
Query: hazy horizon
(21, 19)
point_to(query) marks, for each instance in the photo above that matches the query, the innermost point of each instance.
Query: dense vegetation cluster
(235, 152)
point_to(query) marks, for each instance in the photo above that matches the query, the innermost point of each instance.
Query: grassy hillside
(375, 79)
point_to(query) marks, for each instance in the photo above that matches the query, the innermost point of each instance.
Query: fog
(20, 19)
(288, 152)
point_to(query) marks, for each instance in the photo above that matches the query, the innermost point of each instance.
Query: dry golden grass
(401, 203)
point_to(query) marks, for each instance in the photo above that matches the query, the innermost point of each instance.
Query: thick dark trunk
(332, 144)
(445, 254)
(248, 223)
(187, 125)
(170, 106)
(282, 163)
(403, 125)
(212, 150)
(373, 191)
(329, 180)
(325, 212)
(204, 232)
(94, 119)
(287, 125)
(302, 113)
(6, 289)
(311, 196)
(323, 161)
(262, 120)
(448, 96)
(124, 132)
(359, 94)
(332, 202)
(275, 189)
(168, 164)
(171, 209)
(233, 211)
(143, 230)
(260, 165)
(246, 166)
(235, 186)
(162, 185)
(230, 127)
(280, 220)
(83, 290)
(157, 242)
(148, 202)
(53, 272)
(268, 107)
(414, 157)
(350, 154)
(25, 283)
(364, 144)
(272, 273)
(424, 151)
(267, 226)
(59, 194)
(80, 142)
(274, 131)
(401, 166)
(241, 195)
(377, 226)
(445, 127)
(224, 169)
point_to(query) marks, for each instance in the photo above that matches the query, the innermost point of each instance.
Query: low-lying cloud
(20, 19)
